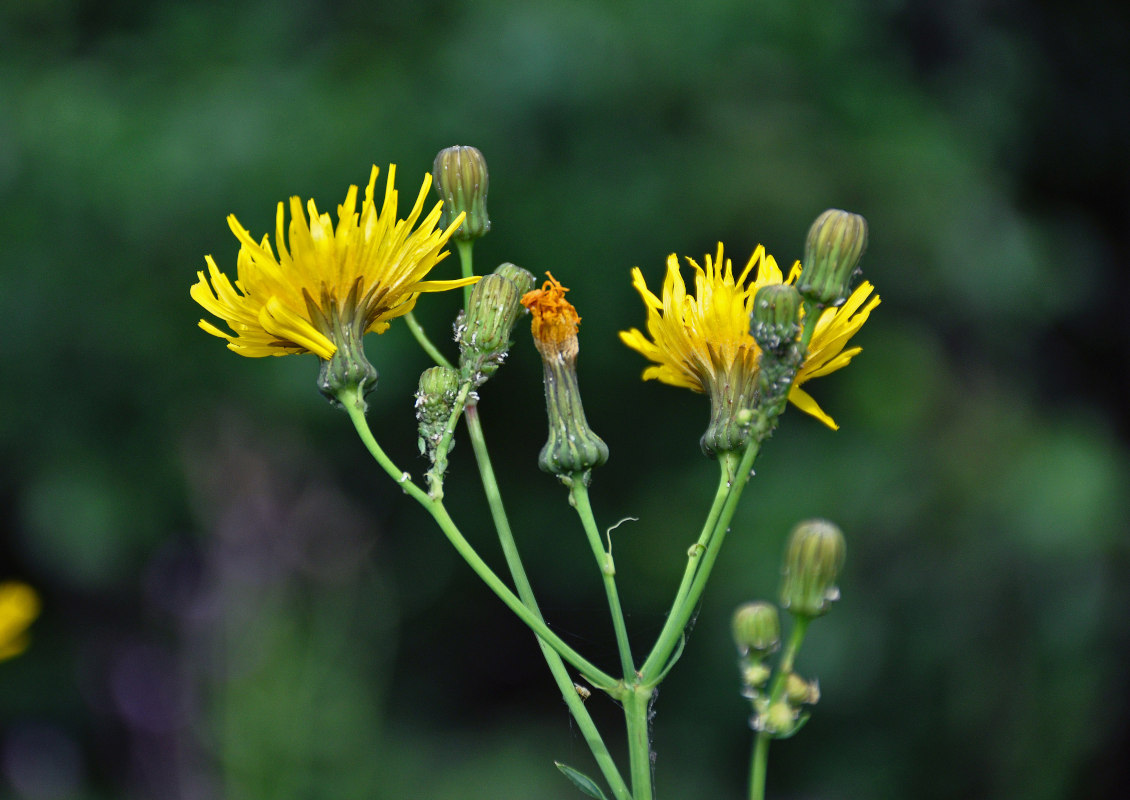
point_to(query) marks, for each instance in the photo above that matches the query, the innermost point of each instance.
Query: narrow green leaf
(582, 781)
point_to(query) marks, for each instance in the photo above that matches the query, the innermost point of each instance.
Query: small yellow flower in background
(702, 341)
(356, 276)
(19, 605)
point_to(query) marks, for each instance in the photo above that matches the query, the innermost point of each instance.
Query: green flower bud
(834, 247)
(461, 179)
(483, 332)
(523, 279)
(800, 692)
(434, 402)
(775, 322)
(756, 628)
(814, 557)
(781, 718)
(755, 674)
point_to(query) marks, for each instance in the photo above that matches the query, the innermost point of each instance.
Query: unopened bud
(484, 331)
(522, 278)
(814, 556)
(800, 692)
(756, 628)
(434, 402)
(834, 247)
(781, 718)
(755, 673)
(775, 322)
(461, 180)
(491, 312)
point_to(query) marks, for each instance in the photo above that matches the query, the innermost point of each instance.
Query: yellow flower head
(359, 274)
(19, 605)
(702, 342)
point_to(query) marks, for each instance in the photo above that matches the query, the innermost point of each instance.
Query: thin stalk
(556, 667)
(672, 631)
(759, 761)
(721, 528)
(788, 657)
(812, 314)
(761, 426)
(579, 495)
(424, 342)
(353, 405)
(758, 765)
(464, 248)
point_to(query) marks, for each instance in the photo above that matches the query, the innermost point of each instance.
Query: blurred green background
(238, 605)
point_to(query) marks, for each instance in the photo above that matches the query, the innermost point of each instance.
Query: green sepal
(347, 370)
(581, 781)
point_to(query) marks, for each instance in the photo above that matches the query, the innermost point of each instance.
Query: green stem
(464, 248)
(424, 342)
(700, 559)
(579, 499)
(763, 421)
(759, 761)
(637, 711)
(812, 314)
(741, 478)
(351, 400)
(727, 466)
(556, 667)
(788, 657)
